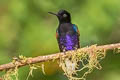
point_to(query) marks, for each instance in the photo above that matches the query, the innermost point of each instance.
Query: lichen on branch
(84, 58)
(84, 61)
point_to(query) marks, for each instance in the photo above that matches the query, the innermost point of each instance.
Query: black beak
(52, 13)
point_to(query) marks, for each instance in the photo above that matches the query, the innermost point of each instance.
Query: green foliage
(26, 28)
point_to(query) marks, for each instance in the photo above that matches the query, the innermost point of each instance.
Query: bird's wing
(57, 34)
(76, 29)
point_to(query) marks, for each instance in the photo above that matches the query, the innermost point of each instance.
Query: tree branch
(0, 78)
(52, 57)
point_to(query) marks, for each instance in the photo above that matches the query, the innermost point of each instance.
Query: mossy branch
(39, 59)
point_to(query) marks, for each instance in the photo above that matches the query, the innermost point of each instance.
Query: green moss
(11, 74)
(88, 59)
(82, 60)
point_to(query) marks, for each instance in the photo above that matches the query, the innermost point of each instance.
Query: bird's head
(63, 16)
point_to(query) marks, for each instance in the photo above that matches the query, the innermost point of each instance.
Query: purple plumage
(68, 37)
(68, 42)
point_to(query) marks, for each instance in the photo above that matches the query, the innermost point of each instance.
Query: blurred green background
(27, 29)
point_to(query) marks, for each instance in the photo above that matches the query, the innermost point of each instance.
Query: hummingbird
(67, 35)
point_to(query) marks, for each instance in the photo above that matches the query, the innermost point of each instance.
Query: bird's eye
(64, 15)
